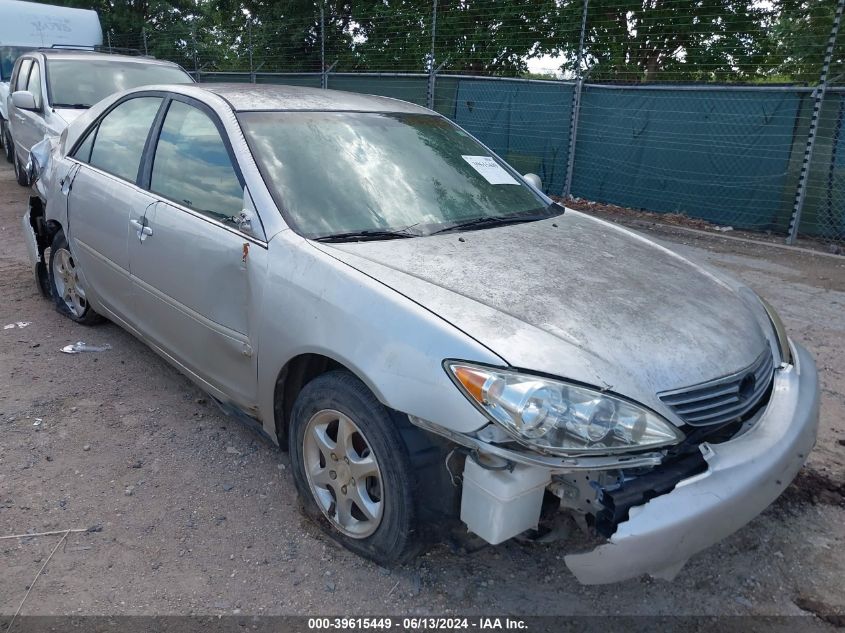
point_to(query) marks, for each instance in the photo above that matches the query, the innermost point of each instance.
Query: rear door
(103, 198)
(197, 273)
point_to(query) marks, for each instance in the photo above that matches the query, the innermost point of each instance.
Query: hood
(69, 114)
(575, 297)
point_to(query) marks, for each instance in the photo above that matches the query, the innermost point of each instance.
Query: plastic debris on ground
(17, 324)
(81, 346)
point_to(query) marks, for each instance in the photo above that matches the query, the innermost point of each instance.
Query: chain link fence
(733, 115)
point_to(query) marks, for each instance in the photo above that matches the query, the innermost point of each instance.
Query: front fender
(316, 304)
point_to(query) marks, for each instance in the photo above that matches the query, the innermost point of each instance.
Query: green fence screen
(728, 154)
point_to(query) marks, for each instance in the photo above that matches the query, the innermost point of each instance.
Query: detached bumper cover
(743, 477)
(30, 240)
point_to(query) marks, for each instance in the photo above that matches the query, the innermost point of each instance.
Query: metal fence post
(249, 50)
(196, 55)
(324, 79)
(432, 69)
(818, 99)
(576, 105)
(108, 38)
(144, 37)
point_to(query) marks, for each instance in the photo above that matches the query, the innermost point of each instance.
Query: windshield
(8, 55)
(348, 172)
(80, 83)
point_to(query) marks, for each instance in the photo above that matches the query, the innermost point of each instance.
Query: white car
(50, 87)
(25, 26)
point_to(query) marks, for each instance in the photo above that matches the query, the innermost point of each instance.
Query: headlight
(780, 332)
(558, 417)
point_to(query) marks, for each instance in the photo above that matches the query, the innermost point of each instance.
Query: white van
(27, 25)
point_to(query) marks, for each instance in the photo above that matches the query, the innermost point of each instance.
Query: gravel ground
(195, 514)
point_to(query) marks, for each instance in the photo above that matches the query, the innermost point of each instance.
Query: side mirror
(534, 181)
(24, 100)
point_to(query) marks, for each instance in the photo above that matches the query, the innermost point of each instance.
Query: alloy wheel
(343, 473)
(66, 280)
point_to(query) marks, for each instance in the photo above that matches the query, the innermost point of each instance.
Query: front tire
(20, 172)
(352, 470)
(65, 286)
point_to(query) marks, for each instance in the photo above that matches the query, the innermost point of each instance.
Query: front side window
(118, 142)
(80, 83)
(23, 74)
(337, 173)
(34, 85)
(192, 166)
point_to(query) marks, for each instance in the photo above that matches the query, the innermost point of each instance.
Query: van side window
(121, 136)
(34, 85)
(23, 74)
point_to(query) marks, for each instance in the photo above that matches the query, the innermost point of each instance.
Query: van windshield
(80, 83)
(8, 55)
(357, 175)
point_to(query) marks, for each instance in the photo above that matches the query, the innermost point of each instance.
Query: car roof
(258, 97)
(74, 53)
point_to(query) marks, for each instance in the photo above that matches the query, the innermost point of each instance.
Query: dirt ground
(195, 514)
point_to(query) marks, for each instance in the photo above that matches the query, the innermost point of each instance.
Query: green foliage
(675, 40)
(801, 34)
(626, 40)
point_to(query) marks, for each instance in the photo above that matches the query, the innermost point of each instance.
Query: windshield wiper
(71, 106)
(490, 221)
(362, 236)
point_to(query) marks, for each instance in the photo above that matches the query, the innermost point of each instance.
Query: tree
(626, 40)
(472, 36)
(675, 40)
(801, 33)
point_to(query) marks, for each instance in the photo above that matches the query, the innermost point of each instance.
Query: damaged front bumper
(35, 235)
(743, 476)
(740, 478)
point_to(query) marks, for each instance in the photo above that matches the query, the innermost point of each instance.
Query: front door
(196, 273)
(29, 125)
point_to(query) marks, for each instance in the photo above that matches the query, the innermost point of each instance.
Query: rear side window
(23, 74)
(118, 142)
(34, 85)
(193, 167)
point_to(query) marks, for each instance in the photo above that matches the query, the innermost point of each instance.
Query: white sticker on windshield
(492, 171)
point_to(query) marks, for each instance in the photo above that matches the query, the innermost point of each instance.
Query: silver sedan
(432, 338)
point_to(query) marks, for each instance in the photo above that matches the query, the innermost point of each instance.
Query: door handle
(143, 229)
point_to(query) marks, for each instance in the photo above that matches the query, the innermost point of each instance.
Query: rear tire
(7, 141)
(352, 470)
(67, 291)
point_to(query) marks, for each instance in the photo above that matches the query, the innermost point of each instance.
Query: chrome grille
(724, 399)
